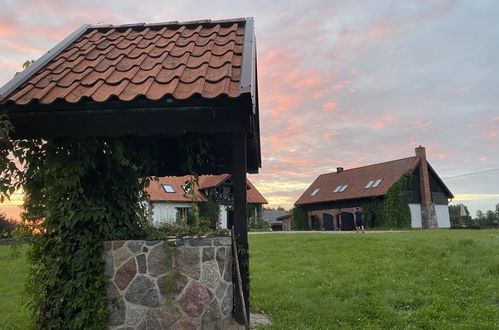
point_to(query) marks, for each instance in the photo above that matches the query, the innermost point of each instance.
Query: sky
(342, 83)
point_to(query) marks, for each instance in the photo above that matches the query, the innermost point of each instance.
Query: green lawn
(415, 279)
(13, 273)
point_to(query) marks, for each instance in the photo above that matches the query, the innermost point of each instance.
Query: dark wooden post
(240, 224)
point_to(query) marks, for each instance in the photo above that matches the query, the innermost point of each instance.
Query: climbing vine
(86, 191)
(390, 211)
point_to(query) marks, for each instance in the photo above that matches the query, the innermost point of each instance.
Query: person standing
(359, 221)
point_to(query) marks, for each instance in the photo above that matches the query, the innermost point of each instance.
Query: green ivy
(86, 191)
(299, 217)
(390, 211)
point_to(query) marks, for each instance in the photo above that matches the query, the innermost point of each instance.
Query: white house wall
(415, 215)
(165, 211)
(223, 217)
(443, 219)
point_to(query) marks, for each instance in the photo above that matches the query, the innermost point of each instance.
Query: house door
(347, 221)
(314, 222)
(327, 221)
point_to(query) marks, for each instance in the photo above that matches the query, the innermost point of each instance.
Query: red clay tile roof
(157, 192)
(357, 179)
(152, 61)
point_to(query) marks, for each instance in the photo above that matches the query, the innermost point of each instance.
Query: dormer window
(315, 192)
(168, 188)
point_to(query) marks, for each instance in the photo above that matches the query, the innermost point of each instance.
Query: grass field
(13, 273)
(407, 280)
(415, 279)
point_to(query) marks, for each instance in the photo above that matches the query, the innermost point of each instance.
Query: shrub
(299, 218)
(6, 225)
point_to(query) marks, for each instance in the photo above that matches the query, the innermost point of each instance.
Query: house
(332, 198)
(274, 218)
(170, 197)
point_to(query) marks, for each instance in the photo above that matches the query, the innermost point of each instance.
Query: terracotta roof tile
(157, 192)
(357, 179)
(152, 61)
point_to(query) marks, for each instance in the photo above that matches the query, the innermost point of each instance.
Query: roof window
(315, 192)
(376, 183)
(340, 188)
(369, 184)
(168, 188)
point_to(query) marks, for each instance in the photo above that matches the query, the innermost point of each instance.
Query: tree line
(460, 217)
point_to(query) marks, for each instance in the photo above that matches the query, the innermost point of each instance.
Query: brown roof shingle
(357, 179)
(144, 60)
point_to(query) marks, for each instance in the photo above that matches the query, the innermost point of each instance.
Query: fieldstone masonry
(152, 285)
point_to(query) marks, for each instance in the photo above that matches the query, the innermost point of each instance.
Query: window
(377, 182)
(168, 188)
(369, 184)
(342, 189)
(315, 192)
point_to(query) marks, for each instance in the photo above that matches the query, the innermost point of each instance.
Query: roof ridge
(167, 23)
(356, 168)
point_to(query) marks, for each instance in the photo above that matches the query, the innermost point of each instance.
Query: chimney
(428, 214)
(339, 169)
(423, 174)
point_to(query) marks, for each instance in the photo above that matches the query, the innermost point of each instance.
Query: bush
(6, 226)
(299, 218)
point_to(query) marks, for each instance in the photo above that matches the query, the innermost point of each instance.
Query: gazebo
(157, 83)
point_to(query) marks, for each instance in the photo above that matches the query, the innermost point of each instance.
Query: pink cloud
(21, 48)
(341, 84)
(329, 106)
(299, 162)
(327, 135)
(483, 158)
(383, 121)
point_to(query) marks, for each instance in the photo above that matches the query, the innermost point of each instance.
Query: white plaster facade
(443, 219)
(442, 212)
(167, 211)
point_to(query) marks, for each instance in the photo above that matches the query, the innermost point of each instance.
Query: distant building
(170, 198)
(332, 198)
(275, 219)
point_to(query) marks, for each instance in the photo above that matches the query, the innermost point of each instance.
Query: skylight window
(340, 188)
(376, 183)
(168, 188)
(186, 189)
(315, 192)
(369, 184)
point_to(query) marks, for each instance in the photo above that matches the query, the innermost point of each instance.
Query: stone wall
(153, 285)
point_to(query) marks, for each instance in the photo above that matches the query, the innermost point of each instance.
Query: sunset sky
(342, 83)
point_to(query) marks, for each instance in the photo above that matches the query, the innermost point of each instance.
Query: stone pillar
(153, 286)
(428, 214)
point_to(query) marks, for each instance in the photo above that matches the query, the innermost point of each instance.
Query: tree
(6, 225)
(458, 220)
